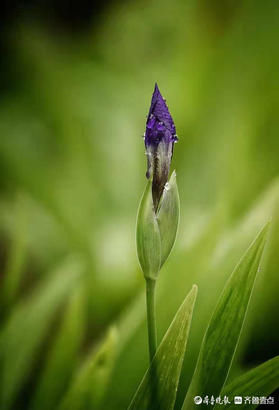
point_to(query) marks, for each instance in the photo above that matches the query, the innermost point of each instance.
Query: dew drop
(167, 186)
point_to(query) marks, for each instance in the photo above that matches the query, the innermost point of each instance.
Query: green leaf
(62, 359)
(159, 385)
(89, 386)
(27, 327)
(148, 236)
(168, 217)
(260, 381)
(222, 335)
(16, 259)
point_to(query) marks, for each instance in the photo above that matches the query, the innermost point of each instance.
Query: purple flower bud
(160, 137)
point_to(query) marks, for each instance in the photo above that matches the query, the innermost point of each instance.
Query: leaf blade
(62, 358)
(36, 312)
(222, 335)
(260, 381)
(90, 382)
(167, 362)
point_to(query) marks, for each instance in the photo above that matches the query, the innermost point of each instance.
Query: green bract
(156, 232)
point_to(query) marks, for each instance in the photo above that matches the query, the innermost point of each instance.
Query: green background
(73, 108)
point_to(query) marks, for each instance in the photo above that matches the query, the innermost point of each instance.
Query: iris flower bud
(158, 213)
(160, 137)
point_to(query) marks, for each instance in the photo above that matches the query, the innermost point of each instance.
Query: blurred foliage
(72, 112)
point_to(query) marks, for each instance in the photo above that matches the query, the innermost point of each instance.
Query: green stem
(151, 319)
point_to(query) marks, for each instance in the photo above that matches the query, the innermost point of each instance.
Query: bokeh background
(76, 82)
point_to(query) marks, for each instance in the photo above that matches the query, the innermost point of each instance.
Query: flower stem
(151, 319)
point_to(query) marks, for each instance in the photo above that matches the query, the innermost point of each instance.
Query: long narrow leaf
(27, 326)
(222, 335)
(90, 383)
(258, 382)
(62, 359)
(159, 385)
